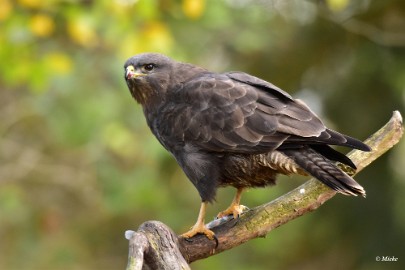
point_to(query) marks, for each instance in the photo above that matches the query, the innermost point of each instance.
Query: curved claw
(234, 209)
(199, 229)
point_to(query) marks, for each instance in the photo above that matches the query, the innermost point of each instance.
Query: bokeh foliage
(78, 165)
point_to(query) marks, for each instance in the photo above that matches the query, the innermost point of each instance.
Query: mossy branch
(161, 246)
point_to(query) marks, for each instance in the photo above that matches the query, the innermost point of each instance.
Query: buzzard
(234, 129)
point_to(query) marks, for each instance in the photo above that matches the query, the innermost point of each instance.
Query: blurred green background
(78, 165)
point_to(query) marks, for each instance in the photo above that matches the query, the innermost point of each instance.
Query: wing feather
(236, 112)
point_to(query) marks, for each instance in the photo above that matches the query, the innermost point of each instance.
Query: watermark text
(386, 259)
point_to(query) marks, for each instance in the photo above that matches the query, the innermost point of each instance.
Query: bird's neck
(147, 96)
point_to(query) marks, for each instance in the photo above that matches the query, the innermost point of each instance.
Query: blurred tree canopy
(78, 165)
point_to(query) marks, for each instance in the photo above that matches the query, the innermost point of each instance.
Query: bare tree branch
(154, 246)
(157, 246)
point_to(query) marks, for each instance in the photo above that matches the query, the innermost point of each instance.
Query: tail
(324, 170)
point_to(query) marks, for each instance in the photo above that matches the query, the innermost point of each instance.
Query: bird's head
(148, 76)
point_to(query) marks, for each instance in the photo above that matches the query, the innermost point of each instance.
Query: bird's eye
(148, 67)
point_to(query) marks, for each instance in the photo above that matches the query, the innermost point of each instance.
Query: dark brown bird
(234, 129)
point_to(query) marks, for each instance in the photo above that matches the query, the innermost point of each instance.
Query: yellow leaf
(157, 36)
(193, 8)
(337, 5)
(82, 31)
(58, 63)
(5, 9)
(31, 3)
(41, 25)
(128, 46)
(154, 36)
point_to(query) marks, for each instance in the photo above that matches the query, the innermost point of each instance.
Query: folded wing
(237, 112)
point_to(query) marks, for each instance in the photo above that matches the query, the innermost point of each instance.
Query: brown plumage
(233, 129)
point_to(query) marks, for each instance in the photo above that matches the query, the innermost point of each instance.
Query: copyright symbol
(377, 258)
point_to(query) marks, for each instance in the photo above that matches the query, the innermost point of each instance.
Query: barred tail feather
(325, 171)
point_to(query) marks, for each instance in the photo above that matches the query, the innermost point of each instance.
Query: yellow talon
(199, 230)
(235, 208)
(199, 227)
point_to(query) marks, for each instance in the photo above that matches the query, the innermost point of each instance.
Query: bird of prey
(234, 129)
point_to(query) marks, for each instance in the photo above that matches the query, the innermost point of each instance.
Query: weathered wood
(138, 244)
(156, 245)
(163, 246)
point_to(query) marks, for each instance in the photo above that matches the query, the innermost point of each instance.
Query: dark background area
(78, 165)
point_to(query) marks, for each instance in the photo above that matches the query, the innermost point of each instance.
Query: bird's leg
(199, 226)
(235, 208)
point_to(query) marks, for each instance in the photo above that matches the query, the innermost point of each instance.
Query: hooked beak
(131, 73)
